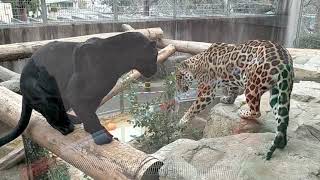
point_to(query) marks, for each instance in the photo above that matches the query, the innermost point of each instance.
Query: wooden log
(191, 47)
(134, 74)
(301, 72)
(111, 161)
(6, 74)
(10, 79)
(11, 52)
(127, 27)
(13, 158)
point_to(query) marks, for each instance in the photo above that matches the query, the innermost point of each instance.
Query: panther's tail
(280, 103)
(22, 125)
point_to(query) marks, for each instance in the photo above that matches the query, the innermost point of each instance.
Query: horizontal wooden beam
(12, 52)
(111, 161)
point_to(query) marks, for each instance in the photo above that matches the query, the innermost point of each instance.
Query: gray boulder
(239, 157)
(304, 115)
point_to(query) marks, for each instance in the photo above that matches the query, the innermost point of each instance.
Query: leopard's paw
(183, 121)
(247, 114)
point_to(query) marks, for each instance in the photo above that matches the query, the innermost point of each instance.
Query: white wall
(5, 12)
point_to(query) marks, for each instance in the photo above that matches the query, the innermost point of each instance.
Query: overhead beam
(12, 52)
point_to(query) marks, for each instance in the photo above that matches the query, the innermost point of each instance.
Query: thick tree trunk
(12, 52)
(111, 161)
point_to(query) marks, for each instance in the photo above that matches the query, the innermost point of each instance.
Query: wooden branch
(191, 47)
(134, 74)
(6, 74)
(11, 80)
(127, 27)
(13, 158)
(301, 72)
(11, 52)
(13, 85)
(111, 161)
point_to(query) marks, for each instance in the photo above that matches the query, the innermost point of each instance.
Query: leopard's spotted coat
(255, 66)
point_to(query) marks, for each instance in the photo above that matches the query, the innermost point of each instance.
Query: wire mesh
(309, 32)
(17, 12)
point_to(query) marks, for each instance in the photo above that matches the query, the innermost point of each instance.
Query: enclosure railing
(31, 12)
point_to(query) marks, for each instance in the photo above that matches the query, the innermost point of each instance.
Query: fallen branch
(134, 74)
(127, 27)
(111, 161)
(12, 52)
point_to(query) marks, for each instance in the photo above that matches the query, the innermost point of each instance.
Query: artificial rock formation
(239, 157)
(304, 120)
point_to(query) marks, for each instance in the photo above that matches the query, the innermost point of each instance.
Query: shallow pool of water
(119, 127)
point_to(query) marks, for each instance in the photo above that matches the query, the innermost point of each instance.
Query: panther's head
(184, 80)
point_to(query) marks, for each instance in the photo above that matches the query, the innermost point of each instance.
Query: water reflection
(120, 127)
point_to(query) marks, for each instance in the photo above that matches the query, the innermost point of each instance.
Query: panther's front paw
(102, 137)
(247, 114)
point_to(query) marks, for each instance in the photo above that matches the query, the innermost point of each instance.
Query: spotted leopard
(253, 67)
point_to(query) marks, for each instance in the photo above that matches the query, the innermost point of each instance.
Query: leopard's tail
(280, 104)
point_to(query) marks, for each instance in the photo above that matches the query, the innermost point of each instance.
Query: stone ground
(234, 148)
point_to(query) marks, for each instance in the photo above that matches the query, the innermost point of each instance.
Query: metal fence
(15, 12)
(308, 34)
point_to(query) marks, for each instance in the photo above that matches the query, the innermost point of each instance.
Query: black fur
(64, 75)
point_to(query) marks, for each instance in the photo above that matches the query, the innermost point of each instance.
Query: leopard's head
(184, 80)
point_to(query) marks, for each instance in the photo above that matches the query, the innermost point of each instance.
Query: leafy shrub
(158, 117)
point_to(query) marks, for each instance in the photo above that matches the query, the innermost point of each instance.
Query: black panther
(69, 75)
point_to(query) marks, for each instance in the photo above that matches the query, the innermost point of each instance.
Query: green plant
(158, 117)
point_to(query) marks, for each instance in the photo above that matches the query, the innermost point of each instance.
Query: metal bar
(174, 9)
(121, 98)
(44, 14)
(115, 10)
